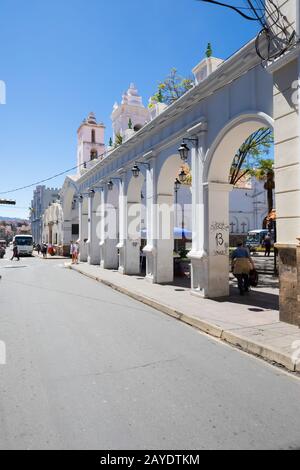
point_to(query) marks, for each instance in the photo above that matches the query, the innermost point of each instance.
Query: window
(94, 154)
(93, 136)
(75, 229)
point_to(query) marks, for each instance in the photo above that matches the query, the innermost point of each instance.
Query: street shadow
(256, 300)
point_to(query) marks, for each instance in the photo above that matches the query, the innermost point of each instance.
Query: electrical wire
(37, 183)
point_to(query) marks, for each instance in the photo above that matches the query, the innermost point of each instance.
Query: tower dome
(91, 119)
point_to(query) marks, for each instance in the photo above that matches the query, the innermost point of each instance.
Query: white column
(109, 258)
(93, 239)
(122, 225)
(150, 249)
(82, 231)
(67, 233)
(216, 239)
(198, 254)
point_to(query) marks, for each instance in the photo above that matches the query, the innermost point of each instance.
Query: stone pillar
(82, 231)
(93, 238)
(286, 77)
(216, 197)
(289, 262)
(198, 254)
(151, 248)
(66, 237)
(109, 258)
(122, 226)
(210, 254)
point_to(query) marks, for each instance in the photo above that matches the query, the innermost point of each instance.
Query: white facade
(130, 109)
(53, 225)
(234, 100)
(42, 198)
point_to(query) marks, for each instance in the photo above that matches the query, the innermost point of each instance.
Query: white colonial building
(231, 100)
(42, 198)
(53, 225)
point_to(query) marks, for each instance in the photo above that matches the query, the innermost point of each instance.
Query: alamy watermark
(2, 92)
(2, 353)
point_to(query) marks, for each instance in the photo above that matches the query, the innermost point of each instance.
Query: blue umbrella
(178, 233)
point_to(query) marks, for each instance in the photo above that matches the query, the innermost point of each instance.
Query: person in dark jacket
(242, 264)
(268, 245)
(15, 253)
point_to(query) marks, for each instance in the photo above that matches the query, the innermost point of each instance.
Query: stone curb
(249, 346)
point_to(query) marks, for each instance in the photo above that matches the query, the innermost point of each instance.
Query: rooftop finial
(209, 51)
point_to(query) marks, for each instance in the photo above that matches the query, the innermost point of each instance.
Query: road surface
(89, 368)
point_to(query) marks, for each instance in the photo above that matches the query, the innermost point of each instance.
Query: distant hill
(13, 219)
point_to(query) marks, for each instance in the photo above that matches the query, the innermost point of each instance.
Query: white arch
(134, 188)
(221, 153)
(168, 174)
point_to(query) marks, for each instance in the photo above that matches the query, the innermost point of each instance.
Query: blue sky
(61, 59)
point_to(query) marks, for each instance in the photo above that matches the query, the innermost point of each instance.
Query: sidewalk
(48, 256)
(240, 321)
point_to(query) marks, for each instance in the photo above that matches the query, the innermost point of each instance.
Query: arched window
(93, 136)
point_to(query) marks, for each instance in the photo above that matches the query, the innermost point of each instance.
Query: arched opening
(93, 136)
(132, 259)
(94, 232)
(172, 239)
(83, 228)
(109, 226)
(228, 206)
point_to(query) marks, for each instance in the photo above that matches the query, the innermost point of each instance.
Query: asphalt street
(89, 368)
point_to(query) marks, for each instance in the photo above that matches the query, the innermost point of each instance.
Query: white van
(24, 244)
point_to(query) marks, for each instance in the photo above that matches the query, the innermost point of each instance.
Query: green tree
(172, 88)
(251, 157)
(119, 140)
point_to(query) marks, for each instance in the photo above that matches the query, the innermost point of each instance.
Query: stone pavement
(250, 322)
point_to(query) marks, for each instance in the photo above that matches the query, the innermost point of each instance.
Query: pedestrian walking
(242, 264)
(76, 252)
(38, 249)
(72, 251)
(268, 245)
(44, 250)
(15, 253)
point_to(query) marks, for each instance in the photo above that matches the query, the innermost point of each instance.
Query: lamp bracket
(143, 163)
